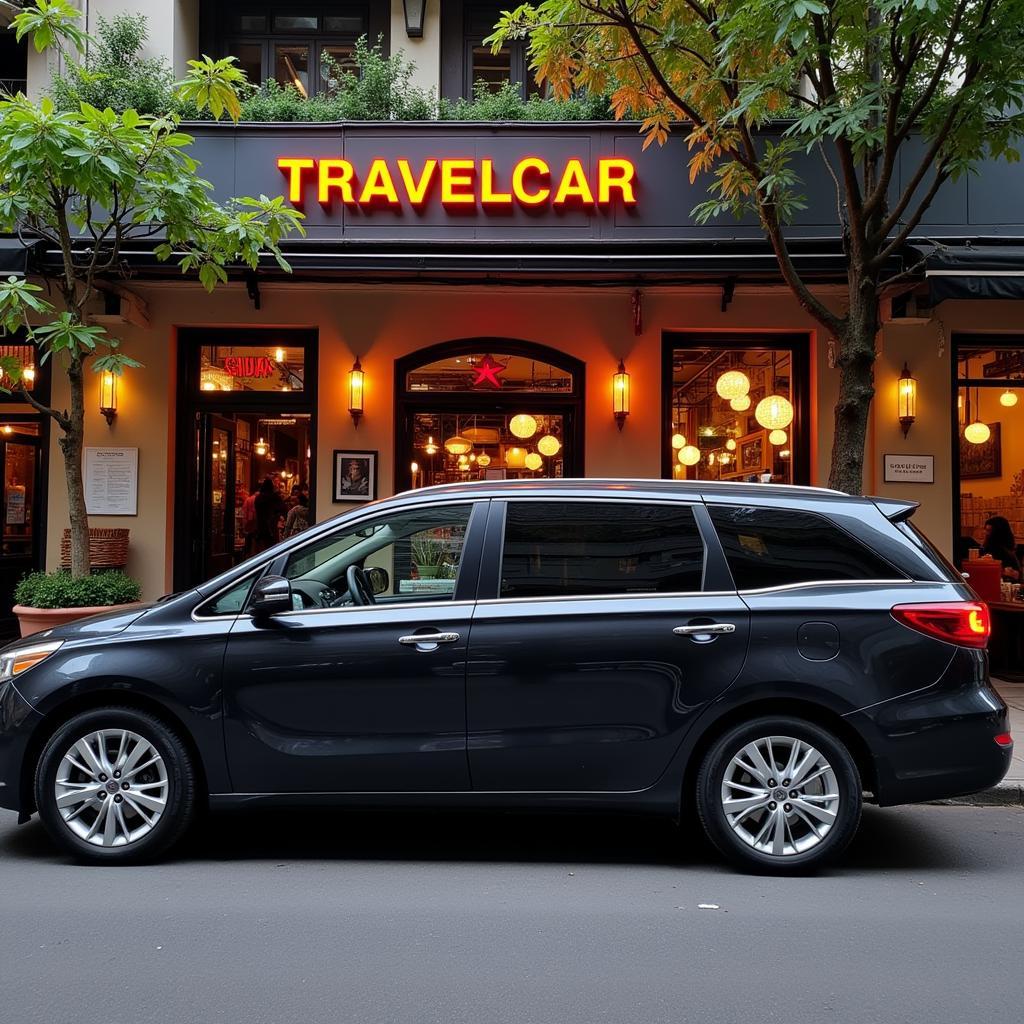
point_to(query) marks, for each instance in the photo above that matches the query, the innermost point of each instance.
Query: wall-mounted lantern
(620, 394)
(108, 395)
(415, 13)
(907, 399)
(355, 392)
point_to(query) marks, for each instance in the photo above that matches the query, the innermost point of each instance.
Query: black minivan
(768, 656)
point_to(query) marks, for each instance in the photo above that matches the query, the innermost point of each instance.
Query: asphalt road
(298, 918)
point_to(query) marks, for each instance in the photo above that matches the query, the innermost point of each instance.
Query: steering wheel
(359, 586)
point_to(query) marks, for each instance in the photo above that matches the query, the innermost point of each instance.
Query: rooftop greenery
(375, 88)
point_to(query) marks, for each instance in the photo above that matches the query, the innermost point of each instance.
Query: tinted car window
(555, 549)
(768, 547)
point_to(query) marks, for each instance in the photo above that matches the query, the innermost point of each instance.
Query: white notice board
(112, 481)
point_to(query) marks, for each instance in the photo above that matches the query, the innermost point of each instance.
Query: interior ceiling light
(977, 432)
(732, 384)
(741, 404)
(777, 437)
(1008, 398)
(534, 461)
(690, 455)
(774, 412)
(731, 444)
(678, 441)
(549, 445)
(523, 425)
(458, 445)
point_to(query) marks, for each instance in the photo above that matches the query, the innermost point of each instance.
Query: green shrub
(115, 74)
(505, 104)
(62, 590)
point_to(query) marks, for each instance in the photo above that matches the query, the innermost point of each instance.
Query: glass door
(21, 544)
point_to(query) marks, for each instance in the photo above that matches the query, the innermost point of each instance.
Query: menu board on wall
(112, 481)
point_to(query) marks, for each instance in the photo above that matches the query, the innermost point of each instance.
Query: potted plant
(429, 557)
(48, 599)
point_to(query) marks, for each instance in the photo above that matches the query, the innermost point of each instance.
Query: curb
(1006, 794)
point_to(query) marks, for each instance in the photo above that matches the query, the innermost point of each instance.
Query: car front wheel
(115, 785)
(779, 795)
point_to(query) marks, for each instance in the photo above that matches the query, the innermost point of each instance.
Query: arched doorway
(487, 409)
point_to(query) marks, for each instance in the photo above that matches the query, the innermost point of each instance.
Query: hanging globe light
(549, 445)
(777, 437)
(523, 425)
(260, 448)
(515, 458)
(1008, 398)
(774, 412)
(690, 455)
(430, 447)
(483, 460)
(678, 441)
(741, 404)
(458, 445)
(534, 462)
(724, 459)
(732, 384)
(977, 432)
(731, 444)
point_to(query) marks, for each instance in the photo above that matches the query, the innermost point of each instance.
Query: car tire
(793, 826)
(101, 814)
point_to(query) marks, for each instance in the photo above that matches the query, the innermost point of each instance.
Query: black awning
(14, 256)
(972, 271)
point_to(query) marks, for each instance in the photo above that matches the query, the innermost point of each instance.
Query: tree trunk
(856, 386)
(71, 447)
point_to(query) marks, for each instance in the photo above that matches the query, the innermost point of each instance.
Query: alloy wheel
(780, 796)
(111, 787)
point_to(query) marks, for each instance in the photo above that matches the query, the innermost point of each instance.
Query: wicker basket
(108, 548)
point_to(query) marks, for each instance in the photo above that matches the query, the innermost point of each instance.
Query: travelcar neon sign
(532, 183)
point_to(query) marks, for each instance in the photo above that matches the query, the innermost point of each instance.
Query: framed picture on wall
(355, 476)
(981, 460)
(753, 455)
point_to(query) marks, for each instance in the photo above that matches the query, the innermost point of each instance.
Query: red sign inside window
(250, 366)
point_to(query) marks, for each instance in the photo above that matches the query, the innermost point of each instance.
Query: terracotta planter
(32, 620)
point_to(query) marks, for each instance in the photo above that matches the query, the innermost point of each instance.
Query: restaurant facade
(492, 301)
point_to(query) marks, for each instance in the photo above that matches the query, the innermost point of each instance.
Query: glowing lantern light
(458, 445)
(523, 425)
(678, 441)
(741, 404)
(732, 384)
(1008, 398)
(777, 437)
(977, 432)
(690, 455)
(534, 461)
(483, 460)
(515, 458)
(549, 445)
(731, 444)
(774, 412)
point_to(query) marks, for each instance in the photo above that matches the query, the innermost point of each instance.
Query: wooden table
(1006, 645)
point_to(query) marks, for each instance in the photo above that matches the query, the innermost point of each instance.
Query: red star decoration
(487, 371)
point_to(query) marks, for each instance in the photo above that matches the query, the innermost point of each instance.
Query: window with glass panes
(469, 63)
(298, 45)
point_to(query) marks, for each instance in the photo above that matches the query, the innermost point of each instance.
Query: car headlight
(18, 660)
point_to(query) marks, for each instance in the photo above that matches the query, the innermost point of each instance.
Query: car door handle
(706, 629)
(428, 640)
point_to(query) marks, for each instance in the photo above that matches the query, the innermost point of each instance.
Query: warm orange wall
(379, 324)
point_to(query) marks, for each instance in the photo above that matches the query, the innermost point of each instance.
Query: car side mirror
(271, 596)
(379, 579)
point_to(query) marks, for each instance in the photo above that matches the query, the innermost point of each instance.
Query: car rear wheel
(115, 785)
(779, 795)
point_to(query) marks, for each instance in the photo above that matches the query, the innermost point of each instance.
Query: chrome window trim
(348, 608)
(836, 583)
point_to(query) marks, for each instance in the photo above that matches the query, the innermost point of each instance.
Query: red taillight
(1004, 739)
(965, 623)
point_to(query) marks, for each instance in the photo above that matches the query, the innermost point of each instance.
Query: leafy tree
(88, 182)
(934, 86)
